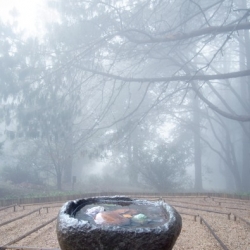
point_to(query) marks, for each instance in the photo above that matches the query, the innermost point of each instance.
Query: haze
(141, 96)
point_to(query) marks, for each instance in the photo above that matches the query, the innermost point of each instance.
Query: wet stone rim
(80, 234)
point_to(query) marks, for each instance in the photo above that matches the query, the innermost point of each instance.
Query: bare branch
(214, 30)
(185, 78)
(241, 118)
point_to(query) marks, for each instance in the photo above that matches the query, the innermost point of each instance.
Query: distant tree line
(111, 77)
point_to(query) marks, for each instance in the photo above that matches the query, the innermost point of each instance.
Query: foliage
(164, 166)
(148, 159)
(20, 174)
(107, 65)
(1, 148)
(15, 191)
(25, 161)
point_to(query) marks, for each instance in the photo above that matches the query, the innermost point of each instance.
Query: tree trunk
(68, 160)
(232, 162)
(197, 145)
(130, 164)
(245, 93)
(245, 146)
(59, 180)
(67, 176)
(134, 177)
(132, 161)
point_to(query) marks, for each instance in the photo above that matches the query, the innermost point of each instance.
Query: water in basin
(132, 215)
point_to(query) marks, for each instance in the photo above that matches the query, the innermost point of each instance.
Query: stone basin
(84, 234)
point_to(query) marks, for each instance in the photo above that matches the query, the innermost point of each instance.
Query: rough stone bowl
(74, 234)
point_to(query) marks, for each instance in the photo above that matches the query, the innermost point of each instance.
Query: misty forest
(142, 95)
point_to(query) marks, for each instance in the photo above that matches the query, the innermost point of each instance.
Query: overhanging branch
(185, 78)
(214, 30)
(241, 118)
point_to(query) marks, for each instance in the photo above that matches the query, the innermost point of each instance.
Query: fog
(125, 96)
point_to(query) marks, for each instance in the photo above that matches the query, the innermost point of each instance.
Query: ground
(228, 219)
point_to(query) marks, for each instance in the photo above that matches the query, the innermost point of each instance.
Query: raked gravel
(234, 234)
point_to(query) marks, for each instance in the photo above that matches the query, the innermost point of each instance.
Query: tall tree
(245, 92)
(100, 49)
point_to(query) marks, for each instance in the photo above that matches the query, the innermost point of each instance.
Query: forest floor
(228, 219)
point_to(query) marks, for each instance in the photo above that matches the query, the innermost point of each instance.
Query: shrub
(19, 175)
